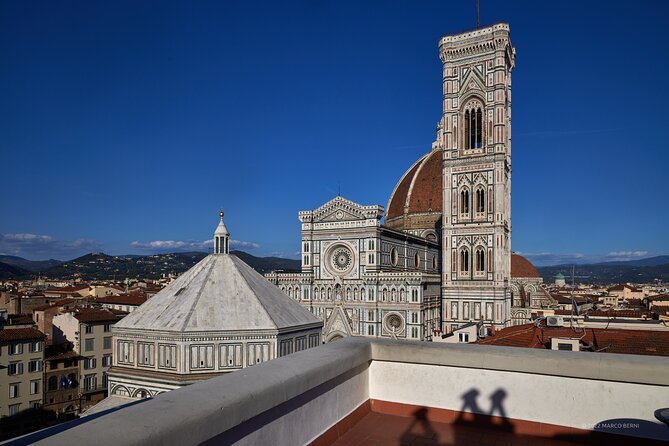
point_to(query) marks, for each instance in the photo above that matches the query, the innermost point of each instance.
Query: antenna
(478, 14)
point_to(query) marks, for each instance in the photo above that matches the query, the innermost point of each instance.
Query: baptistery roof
(219, 293)
(416, 201)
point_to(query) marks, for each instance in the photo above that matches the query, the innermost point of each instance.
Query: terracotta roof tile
(521, 267)
(637, 342)
(124, 299)
(16, 334)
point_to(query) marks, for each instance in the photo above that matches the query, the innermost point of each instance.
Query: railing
(295, 399)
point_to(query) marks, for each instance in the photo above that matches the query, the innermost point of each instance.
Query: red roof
(124, 299)
(419, 189)
(18, 334)
(610, 340)
(95, 315)
(521, 267)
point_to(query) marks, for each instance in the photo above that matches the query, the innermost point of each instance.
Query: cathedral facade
(364, 279)
(442, 258)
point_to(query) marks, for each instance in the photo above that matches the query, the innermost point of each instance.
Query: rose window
(342, 259)
(394, 323)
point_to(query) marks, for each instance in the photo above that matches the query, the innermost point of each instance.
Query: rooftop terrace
(381, 392)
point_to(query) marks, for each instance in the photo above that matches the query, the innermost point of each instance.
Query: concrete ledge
(213, 411)
(202, 411)
(635, 369)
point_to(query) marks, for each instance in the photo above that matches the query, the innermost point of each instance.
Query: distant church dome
(521, 267)
(416, 203)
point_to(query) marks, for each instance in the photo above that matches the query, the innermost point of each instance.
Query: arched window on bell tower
(464, 201)
(473, 127)
(464, 262)
(480, 200)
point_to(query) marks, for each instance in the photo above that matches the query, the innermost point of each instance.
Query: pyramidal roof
(219, 293)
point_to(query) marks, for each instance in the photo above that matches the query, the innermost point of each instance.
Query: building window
(15, 368)
(14, 390)
(34, 387)
(88, 329)
(464, 261)
(89, 344)
(370, 330)
(414, 317)
(90, 382)
(463, 337)
(300, 343)
(108, 328)
(464, 201)
(107, 342)
(257, 353)
(414, 332)
(201, 357)
(370, 315)
(126, 352)
(15, 349)
(35, 365)
(434, 262)
(286, 347)
(473, 127)
(14, 409)
(106, 360)
(416, 260)
(394, 257)
(480, 200)
(370, 244)
(480, 260)
(306, 247)
(167, 355)
(89, 363)
(35, 404)
(35, 346)
(145, 354)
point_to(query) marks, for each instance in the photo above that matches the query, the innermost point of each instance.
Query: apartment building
(21, 363)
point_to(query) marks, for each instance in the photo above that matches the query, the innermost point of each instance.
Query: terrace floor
(378, 429)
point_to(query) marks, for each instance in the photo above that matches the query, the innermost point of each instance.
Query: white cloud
(626, 255)
(552, 258)
(188, 245)
(38, 246)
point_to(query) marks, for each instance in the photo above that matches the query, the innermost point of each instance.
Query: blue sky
(124, 126)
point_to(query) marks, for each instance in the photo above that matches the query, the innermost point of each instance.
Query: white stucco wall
(557, 400)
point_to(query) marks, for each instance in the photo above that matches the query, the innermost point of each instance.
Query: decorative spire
(221, 237)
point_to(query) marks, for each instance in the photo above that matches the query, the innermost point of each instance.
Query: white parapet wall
(294, 399)
(583, 390)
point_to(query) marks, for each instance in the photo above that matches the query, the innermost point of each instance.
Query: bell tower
(476, 138)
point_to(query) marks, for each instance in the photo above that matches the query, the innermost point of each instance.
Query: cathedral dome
(521, 267)
(416, 203)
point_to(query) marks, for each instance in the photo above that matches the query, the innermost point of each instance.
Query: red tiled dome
(521, 267)
(419, 191)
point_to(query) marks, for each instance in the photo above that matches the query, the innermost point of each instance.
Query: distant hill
(100, 266)
(30, 265)
(267, 264)
(613, 272)
(649, 261)
(8, 271)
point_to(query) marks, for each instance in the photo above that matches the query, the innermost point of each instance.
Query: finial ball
(220, 214)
